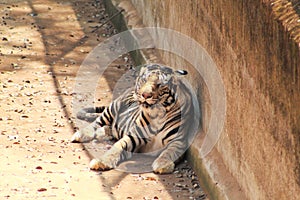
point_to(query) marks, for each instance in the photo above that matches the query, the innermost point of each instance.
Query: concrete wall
(259, 62)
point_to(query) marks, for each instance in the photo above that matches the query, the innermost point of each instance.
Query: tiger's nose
(147, 95)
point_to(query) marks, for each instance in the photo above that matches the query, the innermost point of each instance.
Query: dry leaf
(150, 179)
(42, 190)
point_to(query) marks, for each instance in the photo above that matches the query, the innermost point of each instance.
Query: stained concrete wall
(255, 45)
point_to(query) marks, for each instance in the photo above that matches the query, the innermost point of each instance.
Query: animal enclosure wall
(256, 51)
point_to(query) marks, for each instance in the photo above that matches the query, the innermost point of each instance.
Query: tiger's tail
(90, 114)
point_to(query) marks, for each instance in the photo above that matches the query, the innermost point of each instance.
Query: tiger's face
(156, 83)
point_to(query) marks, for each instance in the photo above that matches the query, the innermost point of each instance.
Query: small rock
(33, 14)
(13, 137)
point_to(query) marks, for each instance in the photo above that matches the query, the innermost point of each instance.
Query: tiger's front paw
(108, 161)
(97, 164)
(163, 166)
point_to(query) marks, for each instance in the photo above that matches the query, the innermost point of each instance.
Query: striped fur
(153, 117)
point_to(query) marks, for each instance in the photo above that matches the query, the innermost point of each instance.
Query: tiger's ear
(181, 72)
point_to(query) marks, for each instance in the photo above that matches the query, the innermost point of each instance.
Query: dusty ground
(42, 45)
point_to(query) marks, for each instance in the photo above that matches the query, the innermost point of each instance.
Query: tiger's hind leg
(121, 150)
(165, 163)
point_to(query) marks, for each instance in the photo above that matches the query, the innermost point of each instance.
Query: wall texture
(255, 45)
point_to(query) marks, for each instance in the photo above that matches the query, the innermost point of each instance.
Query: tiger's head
(157, 83)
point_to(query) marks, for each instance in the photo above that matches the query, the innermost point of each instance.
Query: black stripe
(101, 121)
(141, 134)
(170, 133)
(132, 142)
(172, 119)
(139, 140)
(176, 118)
(147, 123)
(108, 117)
(121, 134)
(110, 113)
(116, 127)
(99, 109)
(145, 119)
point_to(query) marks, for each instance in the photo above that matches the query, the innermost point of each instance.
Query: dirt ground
(42, 45)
